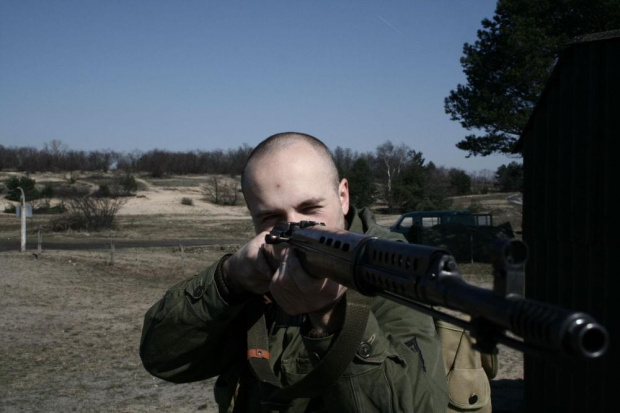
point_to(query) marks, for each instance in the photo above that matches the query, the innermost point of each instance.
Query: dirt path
(100, 244)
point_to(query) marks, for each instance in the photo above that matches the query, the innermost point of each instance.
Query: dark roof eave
(577, 41)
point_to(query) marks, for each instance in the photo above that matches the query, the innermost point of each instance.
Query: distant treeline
(395, 174)
(57, 157)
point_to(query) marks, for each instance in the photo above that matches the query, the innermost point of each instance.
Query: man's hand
(248, 269)
(251, 269)
(296, 292)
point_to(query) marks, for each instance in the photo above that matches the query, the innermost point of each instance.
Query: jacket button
(365, 350)
(315, 357)
(473, 399)
(198, 291)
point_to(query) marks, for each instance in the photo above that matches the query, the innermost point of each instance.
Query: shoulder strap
(274, 395)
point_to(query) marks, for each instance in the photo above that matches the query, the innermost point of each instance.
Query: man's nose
(295, 217)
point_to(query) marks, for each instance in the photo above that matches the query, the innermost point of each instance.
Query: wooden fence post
(182, 255)
(40, 243)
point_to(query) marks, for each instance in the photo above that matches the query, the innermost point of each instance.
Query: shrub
(475, 206)
(127, 184)
(187, 201)
(27, 184)
(103, 191)
(47, 208)
(90, 213)
(10, 209)
(48, 191)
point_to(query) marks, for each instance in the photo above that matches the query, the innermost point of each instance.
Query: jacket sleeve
(191, 333)
(397, 368)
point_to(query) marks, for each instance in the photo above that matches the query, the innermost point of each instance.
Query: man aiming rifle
(280, 339)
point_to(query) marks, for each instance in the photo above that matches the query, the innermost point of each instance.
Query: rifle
(421, 277)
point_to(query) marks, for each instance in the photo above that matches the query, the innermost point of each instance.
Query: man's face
(292, 185)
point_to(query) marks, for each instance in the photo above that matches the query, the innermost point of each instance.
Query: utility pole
(23, 212)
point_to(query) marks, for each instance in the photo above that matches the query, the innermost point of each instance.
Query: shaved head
(281, 141)
(291, 177)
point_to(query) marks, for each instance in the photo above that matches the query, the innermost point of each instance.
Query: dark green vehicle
(465, 234)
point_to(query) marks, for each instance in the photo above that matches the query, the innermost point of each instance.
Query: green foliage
(460, 182)
(47, 191)
(343, 159)
(361, 184)
(103, 191)
(28, 185)
(408, 190)
(10, 209)
(509, 177)
(421, 188)
(127, 184)
(508, 66)
(436, 192)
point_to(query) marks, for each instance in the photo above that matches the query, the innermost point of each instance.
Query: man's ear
(343, 193)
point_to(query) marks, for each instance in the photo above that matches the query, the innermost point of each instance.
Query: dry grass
(71, 328)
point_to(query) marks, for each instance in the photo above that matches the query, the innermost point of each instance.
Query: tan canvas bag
(468, 371)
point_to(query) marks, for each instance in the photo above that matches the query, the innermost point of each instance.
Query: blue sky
(189, 74)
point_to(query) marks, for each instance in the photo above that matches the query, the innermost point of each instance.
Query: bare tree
(393, 160)
(482, 181)
(55, 147)
(221, 192)
(53, 154)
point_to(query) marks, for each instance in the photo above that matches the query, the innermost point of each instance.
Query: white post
(23, 219)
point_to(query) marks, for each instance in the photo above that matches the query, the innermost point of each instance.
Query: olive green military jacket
(192, 334)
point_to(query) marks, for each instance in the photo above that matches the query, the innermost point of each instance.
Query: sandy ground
(167, 201)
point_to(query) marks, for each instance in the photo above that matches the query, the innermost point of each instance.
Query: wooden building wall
(570, 218)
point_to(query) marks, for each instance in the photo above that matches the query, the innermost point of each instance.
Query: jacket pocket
(294, 369)
(469, 389)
